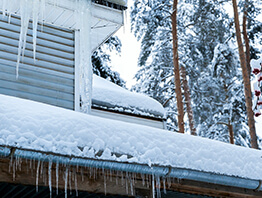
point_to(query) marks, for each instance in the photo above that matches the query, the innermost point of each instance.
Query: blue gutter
(158, 171)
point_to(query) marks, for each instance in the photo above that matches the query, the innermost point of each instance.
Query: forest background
(207, 50)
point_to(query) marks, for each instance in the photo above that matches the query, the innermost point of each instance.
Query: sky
(126, 64)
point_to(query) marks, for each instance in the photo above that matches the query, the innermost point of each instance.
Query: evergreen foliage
(207, 50)
(101, 61)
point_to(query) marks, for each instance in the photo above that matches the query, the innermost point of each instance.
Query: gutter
(157, 171)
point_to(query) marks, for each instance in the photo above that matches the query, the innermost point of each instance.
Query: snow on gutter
(154, 170)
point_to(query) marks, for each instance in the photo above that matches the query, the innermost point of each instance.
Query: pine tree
(101, 61)
(247, 87)
(179, 99)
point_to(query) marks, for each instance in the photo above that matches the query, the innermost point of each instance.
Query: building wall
(49, 78)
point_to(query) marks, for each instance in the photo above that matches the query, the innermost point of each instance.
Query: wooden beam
(201, 188)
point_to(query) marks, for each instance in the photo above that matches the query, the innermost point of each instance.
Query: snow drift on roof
(31, 125)
(111, 96)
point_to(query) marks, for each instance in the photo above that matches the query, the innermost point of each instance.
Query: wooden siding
(49, 78)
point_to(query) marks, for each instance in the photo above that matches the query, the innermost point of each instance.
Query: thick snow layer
(37, 126)
(112, 96)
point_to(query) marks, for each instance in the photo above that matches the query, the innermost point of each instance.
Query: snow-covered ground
(112, 96)
(33, 125)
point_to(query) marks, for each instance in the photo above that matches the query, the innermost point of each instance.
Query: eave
(106, 17)
(101, 173)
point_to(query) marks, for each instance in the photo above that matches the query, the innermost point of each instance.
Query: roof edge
(110, 4)
(155, 170)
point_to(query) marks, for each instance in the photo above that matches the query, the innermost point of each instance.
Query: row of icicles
(43, 170)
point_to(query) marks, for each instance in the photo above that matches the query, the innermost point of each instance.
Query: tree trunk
(176, 70)
(188, 101)
(247, 87)
(246, 37)
(231, 133)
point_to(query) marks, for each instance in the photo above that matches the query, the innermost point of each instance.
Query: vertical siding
(49, 79)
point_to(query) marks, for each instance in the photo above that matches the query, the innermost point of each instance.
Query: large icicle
(35, 13)
(25, 9)
(83, 17)
(50, 177)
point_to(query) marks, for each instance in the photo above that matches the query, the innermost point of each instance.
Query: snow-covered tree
(246, 79)
(213, 74)
(101, 61)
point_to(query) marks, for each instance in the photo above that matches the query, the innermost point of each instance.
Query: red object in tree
(257, 93)
(259, 78)
(257, 114)
(256, 71)
(259, 102)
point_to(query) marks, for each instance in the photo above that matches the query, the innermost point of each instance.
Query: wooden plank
(36, 90)
(38, 98)
(214, 190)
(36, 72)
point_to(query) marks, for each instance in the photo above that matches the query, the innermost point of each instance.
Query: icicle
(105, 184)
(82, 174)
(143, 179)
(131, 187)
(84, 25)
(14, 164)
(50, 177)
(25, 16)
(66, 178)
(76, 184)
(169, 182)
(127, 183)
(30, 163)
(164, 185)
(57, 176)
(10, 164)
(35, 13)
(70, 182)
(158, 185)
(153, 185)
(37, 175)
(122, 178)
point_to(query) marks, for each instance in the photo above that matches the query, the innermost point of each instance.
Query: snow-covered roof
(32, 125)
(119, 2)
(110, 96)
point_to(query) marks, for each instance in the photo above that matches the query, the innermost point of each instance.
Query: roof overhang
(137, 177)
(106, 17)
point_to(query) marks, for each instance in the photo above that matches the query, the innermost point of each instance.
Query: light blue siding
(49, 78)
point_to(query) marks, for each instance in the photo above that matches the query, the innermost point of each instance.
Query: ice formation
(34, 10)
